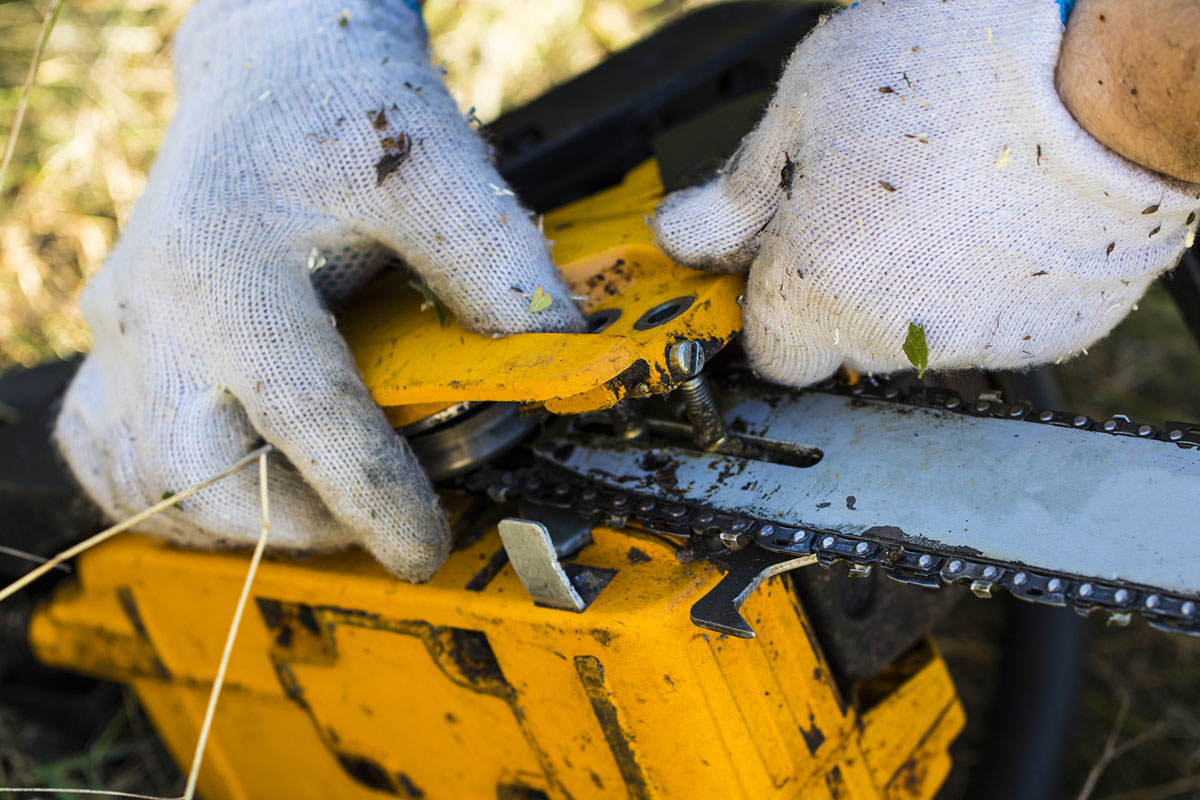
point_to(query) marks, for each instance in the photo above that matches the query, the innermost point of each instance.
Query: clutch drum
(465, 436)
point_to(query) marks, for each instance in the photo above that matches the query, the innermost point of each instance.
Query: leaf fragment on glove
(431, 301)
(916, 348)
(540, 300)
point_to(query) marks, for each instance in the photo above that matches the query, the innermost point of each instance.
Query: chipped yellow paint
(343, 677)
(604, 252)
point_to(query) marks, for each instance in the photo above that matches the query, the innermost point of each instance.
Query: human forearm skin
(1129, 72)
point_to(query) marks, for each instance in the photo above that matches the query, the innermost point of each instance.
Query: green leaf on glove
(540, 300)
(916, 348)
(168, 494)
(431, 301)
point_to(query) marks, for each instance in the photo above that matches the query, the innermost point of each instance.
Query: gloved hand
(917, 166)
(312, 136)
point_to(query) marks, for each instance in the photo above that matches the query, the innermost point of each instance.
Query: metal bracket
(720, 609)
(532, 554)
(569, 530)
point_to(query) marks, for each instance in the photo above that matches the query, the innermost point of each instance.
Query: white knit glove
(310, 133)
(917, 166)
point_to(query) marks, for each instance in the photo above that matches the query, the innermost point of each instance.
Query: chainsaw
(626, 500)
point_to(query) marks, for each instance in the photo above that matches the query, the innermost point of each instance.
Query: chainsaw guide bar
(1119, 542)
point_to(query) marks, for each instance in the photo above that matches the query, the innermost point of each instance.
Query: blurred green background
(99, 109)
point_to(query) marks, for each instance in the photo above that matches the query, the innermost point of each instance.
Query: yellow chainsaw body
(348, 683)
(603, 248)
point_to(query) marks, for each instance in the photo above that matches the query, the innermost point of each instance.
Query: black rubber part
(43, 509)
(1184, 285)
(584, 135)
(1032, 720)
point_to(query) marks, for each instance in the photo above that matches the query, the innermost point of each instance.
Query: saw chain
(751, 546)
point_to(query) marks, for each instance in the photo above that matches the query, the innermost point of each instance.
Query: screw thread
(626, 420)
(707, 425)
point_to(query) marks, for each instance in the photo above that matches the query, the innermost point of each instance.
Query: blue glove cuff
(415, 5)
(1064, 7)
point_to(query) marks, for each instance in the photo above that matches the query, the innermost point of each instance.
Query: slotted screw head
(686, 358)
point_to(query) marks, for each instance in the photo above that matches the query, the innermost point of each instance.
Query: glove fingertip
(416, 554)
(699, 228)
(539, 304)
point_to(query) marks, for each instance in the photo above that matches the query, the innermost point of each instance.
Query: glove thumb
(718, 226)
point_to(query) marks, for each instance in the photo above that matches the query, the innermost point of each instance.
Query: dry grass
(1157, 673)
(96, 115)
